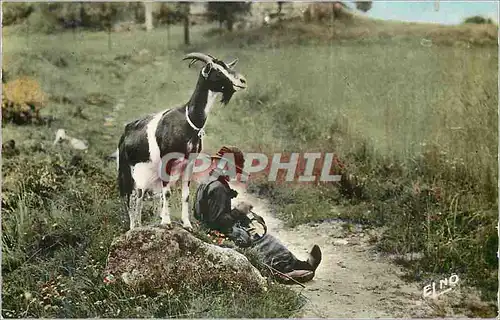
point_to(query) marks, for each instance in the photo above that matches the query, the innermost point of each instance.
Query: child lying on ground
(212, 208)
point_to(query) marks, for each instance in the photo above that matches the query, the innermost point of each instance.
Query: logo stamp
(445, 285)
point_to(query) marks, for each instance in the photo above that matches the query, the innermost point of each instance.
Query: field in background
(360, 29)
(415, 125)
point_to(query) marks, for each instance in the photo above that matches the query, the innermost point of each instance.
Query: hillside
(362, 29)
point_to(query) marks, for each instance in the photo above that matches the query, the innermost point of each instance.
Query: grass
(361, 30)
(414, 126)
(60, 214)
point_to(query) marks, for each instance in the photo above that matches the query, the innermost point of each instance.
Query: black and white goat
(145, 141)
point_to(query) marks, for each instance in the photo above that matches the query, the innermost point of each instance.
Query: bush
(22, 101)
(42, 22)
(478, 20)
(13, 13)
(52, 17)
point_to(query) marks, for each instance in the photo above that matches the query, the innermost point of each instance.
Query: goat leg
(139, 205)
(186, 224)
(165, 210)
(131, 208)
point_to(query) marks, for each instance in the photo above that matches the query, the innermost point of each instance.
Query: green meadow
(415, 127)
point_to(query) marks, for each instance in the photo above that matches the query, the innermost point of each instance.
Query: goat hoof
(167, 226)
(187, 226)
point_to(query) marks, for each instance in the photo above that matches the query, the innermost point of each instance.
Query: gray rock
(340, 242)
(154, 258)
(74, 142)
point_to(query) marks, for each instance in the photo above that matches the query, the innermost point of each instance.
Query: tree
(478, 20)
(137, 11)
(70, 15)
(148, 15)
(103, 15)
(320, 11)
(364, 6)
(280, 8)
(186, 12)
(167, 14)
(15, 12)
(227, 12)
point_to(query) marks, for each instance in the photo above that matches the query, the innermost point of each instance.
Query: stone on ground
(154, 258)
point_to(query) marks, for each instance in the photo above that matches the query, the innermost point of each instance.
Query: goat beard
(227, 94)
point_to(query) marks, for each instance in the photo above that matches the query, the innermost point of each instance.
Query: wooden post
(186, 22)
(280, 8)
(333, 15)
(168, 34)
(148, 15)
(109, 37)
(28, 32)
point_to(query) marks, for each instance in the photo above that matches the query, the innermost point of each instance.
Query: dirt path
(352, 280)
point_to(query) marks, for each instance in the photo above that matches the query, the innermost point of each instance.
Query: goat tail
(125, 180)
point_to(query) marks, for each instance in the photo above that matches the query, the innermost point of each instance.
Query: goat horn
(198, 56)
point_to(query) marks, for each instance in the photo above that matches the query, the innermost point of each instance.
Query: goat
(147, 140)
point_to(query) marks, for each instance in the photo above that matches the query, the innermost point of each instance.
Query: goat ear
(206, 70)
(232, 63)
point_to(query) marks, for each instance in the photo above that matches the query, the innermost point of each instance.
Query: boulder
(75, 143)
(156, 259)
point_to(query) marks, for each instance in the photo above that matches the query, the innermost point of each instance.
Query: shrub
(49, 18)
(42, 21)
(22, 101)
(13, 13)
(478, 20)
(102, 15)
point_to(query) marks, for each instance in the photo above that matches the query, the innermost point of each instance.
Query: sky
(450, 12)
